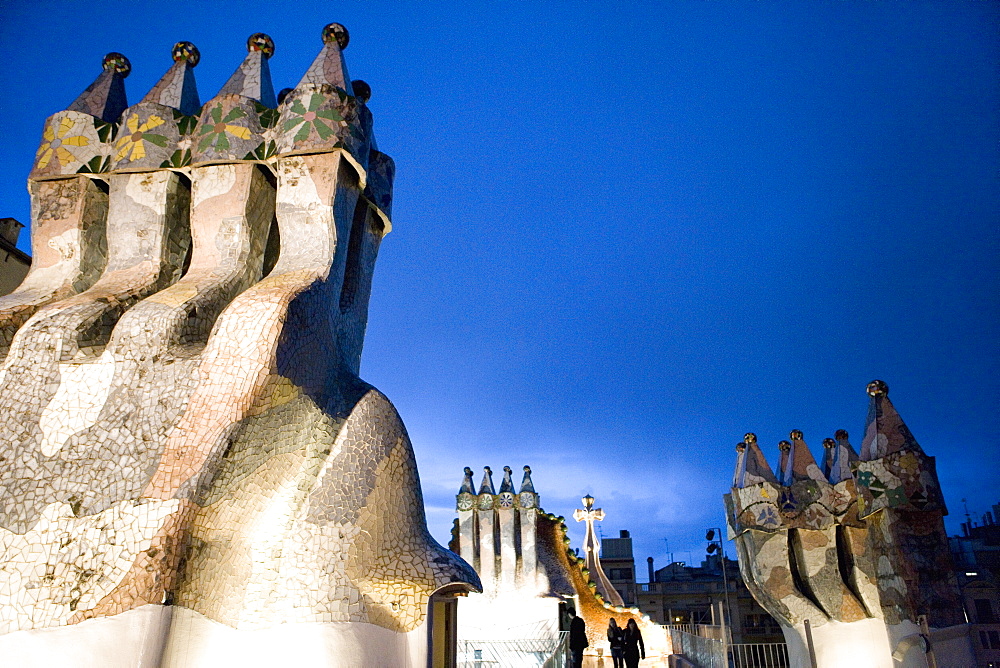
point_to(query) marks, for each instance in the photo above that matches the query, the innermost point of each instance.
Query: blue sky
(626, 234)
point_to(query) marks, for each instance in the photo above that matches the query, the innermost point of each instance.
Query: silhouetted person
(577, 641)
(616, 638)
(635, 651)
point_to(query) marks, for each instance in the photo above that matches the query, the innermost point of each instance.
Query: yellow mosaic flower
(909, 462)
(56, 141)
(131, 144)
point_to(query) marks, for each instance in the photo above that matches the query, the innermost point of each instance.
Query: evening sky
(627, 233)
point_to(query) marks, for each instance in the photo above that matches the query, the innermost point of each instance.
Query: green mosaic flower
(268, 116)
(185, 124)
(308, 119)
(262, 152)
(105, 130)
(214, 134)
(896, 497)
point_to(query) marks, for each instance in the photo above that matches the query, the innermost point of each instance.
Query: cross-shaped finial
(589, 514)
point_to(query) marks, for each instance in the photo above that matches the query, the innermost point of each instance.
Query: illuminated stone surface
(523, 556)
(592, 551)
(858, 548)
(192, 470)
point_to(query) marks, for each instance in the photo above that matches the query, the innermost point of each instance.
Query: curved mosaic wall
(182, 422)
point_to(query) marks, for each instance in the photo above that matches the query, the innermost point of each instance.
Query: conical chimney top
(329, 66)
(252, 78)
(105, 98)
(468, 486)
(885, 431)
(487, 486)
(837, 457)
(526, 484)
(177, 87)
(751, 465)
(507, 485)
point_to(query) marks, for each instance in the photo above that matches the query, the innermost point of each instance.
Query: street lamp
(715, 545)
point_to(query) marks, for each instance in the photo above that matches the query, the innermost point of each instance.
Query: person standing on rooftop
(616, 638)
(634, 650)
(577, 641)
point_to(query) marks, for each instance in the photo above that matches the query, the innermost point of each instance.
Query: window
(984, 611)
(442, 629)
(760, 624)
(701, 616)
(989, 639)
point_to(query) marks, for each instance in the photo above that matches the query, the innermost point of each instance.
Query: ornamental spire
(885, 431)
(232, 125)
(252, 78)
(468, 487)
(105, 98)
(592, 549)
(507, 485)
(321, 114)
(487, 486)
(751, 465)
(177, 88)
(838, 457)
(526, 484)
(797, 462)
(76, 140)
(329, 66)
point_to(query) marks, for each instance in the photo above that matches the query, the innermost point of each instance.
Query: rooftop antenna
(666, 548)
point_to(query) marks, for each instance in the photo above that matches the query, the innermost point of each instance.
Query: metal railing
(551, 652)
(704, 652)
(702, 630)
(704, 646)
(758, 655)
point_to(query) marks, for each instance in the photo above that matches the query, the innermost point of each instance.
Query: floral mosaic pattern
(902, 481)
(72, 142)
(321, 118)
(56, 142)
(131, 145)
(234, 128)
(214, 134)
(312, 119)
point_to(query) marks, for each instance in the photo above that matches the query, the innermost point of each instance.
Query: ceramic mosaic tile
(857, 549)
(182, 422)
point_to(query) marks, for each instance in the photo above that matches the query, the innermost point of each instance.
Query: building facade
(14, 263)
(977, 562)
(680, 595)
(619, 565)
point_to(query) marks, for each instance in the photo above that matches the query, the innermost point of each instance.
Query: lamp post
(715, 545)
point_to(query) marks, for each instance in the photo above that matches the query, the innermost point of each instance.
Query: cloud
(674, 499)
